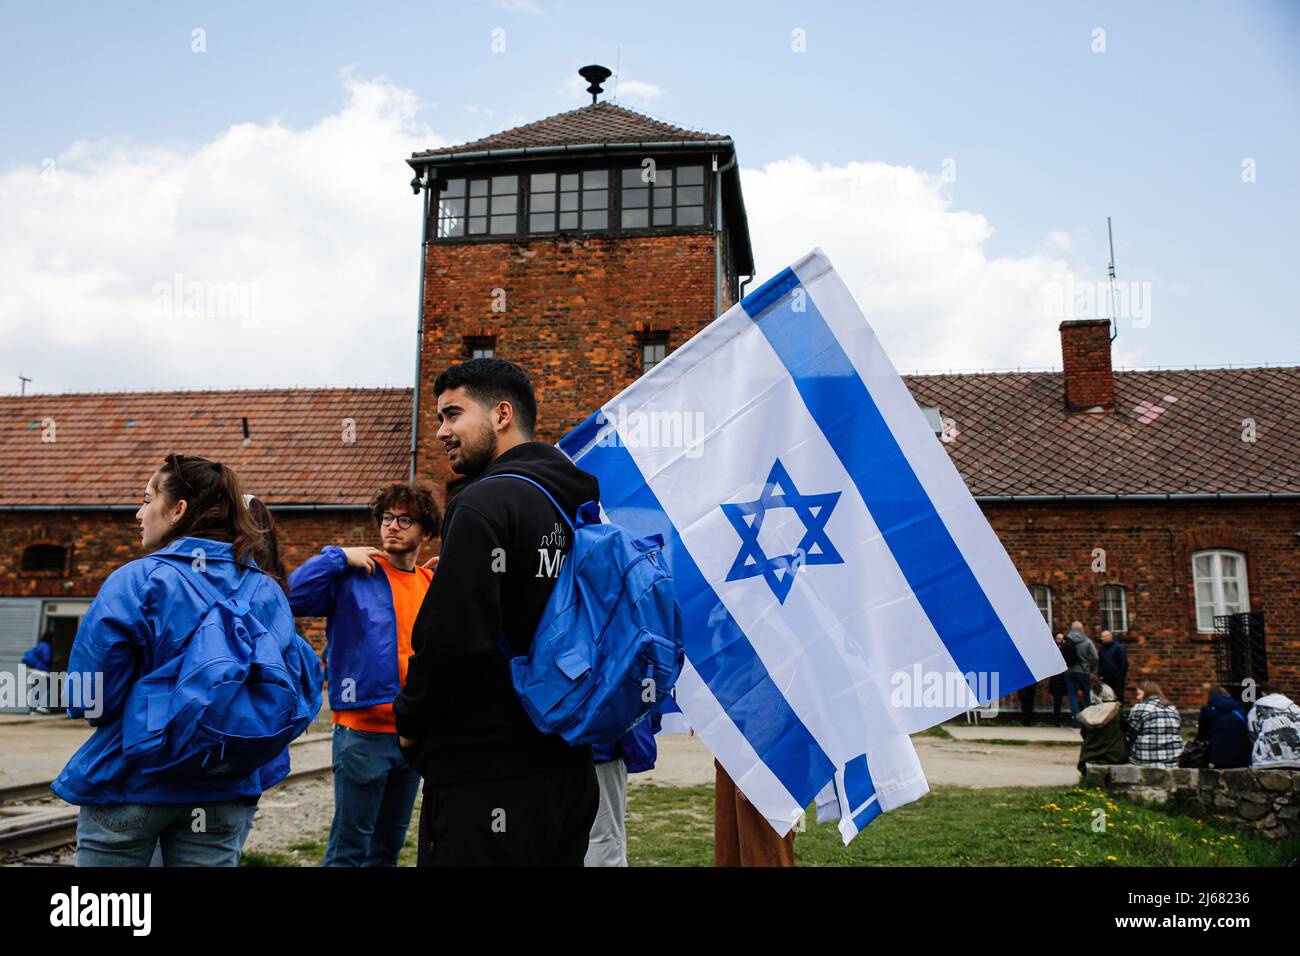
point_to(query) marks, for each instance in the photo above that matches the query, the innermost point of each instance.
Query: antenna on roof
(22, 384)
(1114, 319)
(594, 75)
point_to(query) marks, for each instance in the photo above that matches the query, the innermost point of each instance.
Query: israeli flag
(840, 588)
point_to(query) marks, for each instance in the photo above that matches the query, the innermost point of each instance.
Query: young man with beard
(496, 790)
(371, 597)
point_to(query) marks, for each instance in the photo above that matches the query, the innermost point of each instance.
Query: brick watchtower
(583, 247)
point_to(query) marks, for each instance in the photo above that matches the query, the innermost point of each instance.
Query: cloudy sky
(956, 161)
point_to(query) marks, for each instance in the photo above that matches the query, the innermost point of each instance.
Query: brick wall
(103, 541)
(1148, 549)
(573, 311)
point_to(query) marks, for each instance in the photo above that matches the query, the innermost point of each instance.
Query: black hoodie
(502, 543)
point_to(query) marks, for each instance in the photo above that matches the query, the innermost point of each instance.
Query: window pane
(569, 181)
(541, 222)
(663, 217)
(635, 198)
(478, 187)
(1229, 565)
(597, 219)
(568, 220)
(542, 182)
(504, 184)
(478, 206)
(451, 208)
(503, 224)
(1231, 597)
(454, 187)
(690, 175)
(542, 202)
(1204, 565)
(595, 179)
(690, 195)
(690, 216)
(477, 226)
(632, 177)
(1205, 618)
(568, 202)
(635, 218)
(594, 199)
(449, 228)
(502, 204)
(663, 197)
(663, 177)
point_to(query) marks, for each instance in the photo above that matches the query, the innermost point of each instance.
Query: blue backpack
(608, 646)
(229, 702)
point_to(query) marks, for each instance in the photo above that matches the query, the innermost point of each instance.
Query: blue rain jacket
(142, 609)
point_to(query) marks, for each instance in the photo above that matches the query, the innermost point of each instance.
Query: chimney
(1085, 356)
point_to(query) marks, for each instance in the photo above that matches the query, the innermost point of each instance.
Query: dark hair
(492, 380)
(214, 503)
(268, 558)
(416, 497)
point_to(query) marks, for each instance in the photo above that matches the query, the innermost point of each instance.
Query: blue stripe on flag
(930, 560)
(715, 644)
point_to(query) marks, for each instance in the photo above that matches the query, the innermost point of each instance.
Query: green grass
(957, 826)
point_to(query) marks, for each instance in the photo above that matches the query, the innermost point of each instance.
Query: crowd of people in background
(1252, 725)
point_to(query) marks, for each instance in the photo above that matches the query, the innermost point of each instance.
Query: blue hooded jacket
(142, 608)
(1223, 728)
(361, 630)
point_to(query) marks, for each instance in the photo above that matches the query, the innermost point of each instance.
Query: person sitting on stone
(1103, 730)
(1223, 729)
(1275, 726)
(1153, 728)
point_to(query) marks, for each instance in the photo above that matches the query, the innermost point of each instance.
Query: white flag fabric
(839, 586)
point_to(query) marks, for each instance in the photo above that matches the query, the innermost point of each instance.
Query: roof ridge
(216, 390)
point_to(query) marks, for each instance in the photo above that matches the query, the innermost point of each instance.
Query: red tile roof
(106, 444)
(1172, 432)
(598, 123)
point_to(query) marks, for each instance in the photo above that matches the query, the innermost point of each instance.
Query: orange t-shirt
(409, 588)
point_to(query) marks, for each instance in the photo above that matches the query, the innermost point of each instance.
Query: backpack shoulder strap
(563, 514)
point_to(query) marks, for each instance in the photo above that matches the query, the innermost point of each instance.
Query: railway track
(33, 820)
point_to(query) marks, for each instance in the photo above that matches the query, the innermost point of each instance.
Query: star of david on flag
(827, 556)
(813, 548)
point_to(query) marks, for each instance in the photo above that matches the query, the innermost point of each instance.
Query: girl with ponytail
(205, 548)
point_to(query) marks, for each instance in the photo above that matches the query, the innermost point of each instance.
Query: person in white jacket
(1274, 723)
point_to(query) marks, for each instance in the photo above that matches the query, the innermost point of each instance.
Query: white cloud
(316, 226)
(631, 92)
(636, 91)
(916, 266)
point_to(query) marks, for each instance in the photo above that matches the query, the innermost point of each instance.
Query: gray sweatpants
(608, 843)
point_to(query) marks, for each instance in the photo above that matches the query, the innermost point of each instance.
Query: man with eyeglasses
(368, 632)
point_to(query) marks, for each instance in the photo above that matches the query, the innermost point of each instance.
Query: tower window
(569, 201)
(476, 207)
(672, 197)
(653, 351)
(480, 346)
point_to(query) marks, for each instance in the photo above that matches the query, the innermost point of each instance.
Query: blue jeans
(374, 792)
(1078, 688)
(126, 834)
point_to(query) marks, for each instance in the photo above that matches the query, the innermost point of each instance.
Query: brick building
(585, 247)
